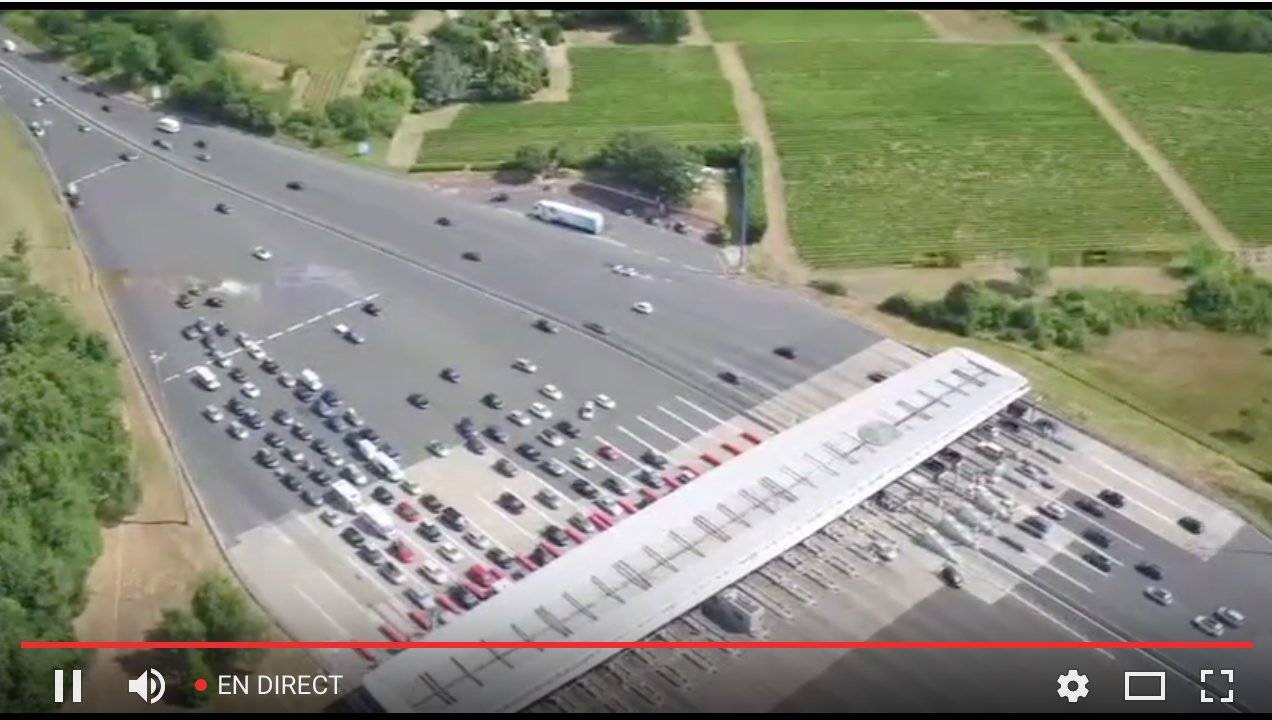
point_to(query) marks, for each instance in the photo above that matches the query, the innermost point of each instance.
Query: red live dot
(200, 685)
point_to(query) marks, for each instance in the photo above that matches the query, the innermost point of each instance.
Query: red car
(484, 576)
(403, 552)
(448, 603)
(527, 563)
(608, 453)
(406, 512)
(480, 592)
(392, 633)
(423, 619)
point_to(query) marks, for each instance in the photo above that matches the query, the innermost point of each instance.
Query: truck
(378, 521)
(573, 217)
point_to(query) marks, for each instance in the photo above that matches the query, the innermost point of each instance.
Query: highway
(150, 228)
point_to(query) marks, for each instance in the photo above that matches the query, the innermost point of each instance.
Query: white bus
(169, 125)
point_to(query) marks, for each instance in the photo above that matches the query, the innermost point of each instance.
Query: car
(569, 429)
(353, 475)
(496, 434)
(1231, 618)
(215, 301)
(283, 418)
(546, 326)
(201, 144)
(321, 446)
(619, 486)
(785, 351)
(643, 308)
(418, 401)
(291, 482)
(335, 460)
(1208, 625)
(1149, 570)
(402, 552)
(606, 402)
(610, 506)
(371, 556)
(583, 461)
(128, 156)
(236, 430)
(1035, 526)
(492, 401)
(1112, 498)
(261, 253)
(250, 390)
(354, 337)
(471, 256)
(1192, 525)
(292, 455)
(295, 185)
(529, 452)
(1098, 561)
(161, 144)
(553, 467)
(476, 446)
(302, 433)
(434, 572)
(877, 377)
(352, 418)
(213, 413)
(551, 438)
(313, 498)
(449, 552)
(443, 221)
(420, 599)
(585, 489)
(438, 449)
(477, 539)
(549, 499)
(254, 350)
(556, 535)
(267, 459)
(501, 559)
(464, 597)
(1089, 506)
(238, 375)
(507, 468)
(519, 418)
(587, 410)
(1097, 538)
(551, 392)
(320, 477)
(525, 366)
(331, 398)
(432, 503)
(730, 377)
(596, 327)
(951, 576)
(451, 375)
(392, 573)
(203, 157)
(382, 495)
(252, 419)
(273, 439)
(354, 537)
(1161, 596)
(540, 410)
(513, 504)
(184, 301)
(287, 380)
(607, 452)
(429, 531)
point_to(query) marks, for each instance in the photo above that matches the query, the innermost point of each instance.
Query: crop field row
(677, 92)
(813, 25)
(895, 152)
(324, 42)
(1209, 114)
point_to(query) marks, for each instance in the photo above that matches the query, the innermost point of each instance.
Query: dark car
(471, 256)
(291, 482)
(432, 503)
(429, 531)
(497, 434)
(1113, 498)
(331, 398)
(464, 598)
(451, 375)
(238, 375)
(184, 301)
(597, 328)
(75, 200)
(161, 144)
(270, 365)
(1098, 561)
(1149, 570)
(951, 576)
(267, 459)
(418, 401)
(372, 309)
(444, 221)
(253, 419)
(284, 418)
(295, 185)
(222, 329)
(1192, 525)
(201, 144)
(512, 503)
(371, 556)
(569, 429)
(1089, 506)
(320, 477)
(585, 489)
(555, 535)
(1097, 538)
(223, 208)
(476, 446)
(730, 377)
(501, 559)
(382, 495)
(877, 377)
(546, 326)
(273, 439)
(785, 351)
(352, 536)
(499, 197)
(454, 519)
(492, 401)
(530, 452)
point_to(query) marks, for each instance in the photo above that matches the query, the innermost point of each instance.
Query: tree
(390, 87)
(651, 164)
(532, 159)
(227, 615)
(666, 25)
(188, 664)
(401, 35)
(400, 15)
(444, 78)
(513, 73)
(139, 60)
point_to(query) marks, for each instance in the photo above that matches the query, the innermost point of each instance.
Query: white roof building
(625, 584)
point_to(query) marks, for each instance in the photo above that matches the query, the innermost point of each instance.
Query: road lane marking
(686, 423)
(498, 511)
(702, 411)
(618, 450)
(99, 172)
(341, 629)
(640, 441)
(664, 433)
(1144, 486)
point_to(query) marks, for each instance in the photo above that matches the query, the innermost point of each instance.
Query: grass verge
(813, 25)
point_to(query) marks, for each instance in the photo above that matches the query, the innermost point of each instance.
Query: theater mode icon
(149, 686)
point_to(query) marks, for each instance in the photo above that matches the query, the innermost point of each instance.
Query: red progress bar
(652, 645)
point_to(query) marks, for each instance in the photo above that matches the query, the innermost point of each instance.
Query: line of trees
(646, 25)
(1221, 29)
(64, 472)
(218, 612)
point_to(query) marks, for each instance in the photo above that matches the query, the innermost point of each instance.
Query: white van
(366, 449)
(9, 46)
(169, 125)
(348, 494)
(310, 379)
(387, 467)
(206, 378)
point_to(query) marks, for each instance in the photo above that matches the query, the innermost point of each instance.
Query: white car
(554, 468)
(242, 338)
(213, 413)
(551, 392)
(438, 449)
(261, 253)
(410, 487)
(37, 102)
(540, 411)
(434, 572)
(477, 540)
(250, 390)
(610, 506)
(1161, 596)
(585, 462)
(643, 308)
(606, 402)
(341, 329)
(236, 430)
(551, 439)
(354, 476)
(549, 499)
(624, 271)
(222, 359)
(588, 411)
(1208, 625)
(525, 366)
(518, 418)
(1053, 510)
(1230, 617)
(331, 517)
(254, 350)
(448, 551)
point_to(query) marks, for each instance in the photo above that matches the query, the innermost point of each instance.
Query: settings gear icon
(1073, 685)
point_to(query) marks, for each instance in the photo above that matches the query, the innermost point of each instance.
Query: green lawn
(677, 92)
(813, 25)
(894, 152)
(1210, 114)
(324, 42)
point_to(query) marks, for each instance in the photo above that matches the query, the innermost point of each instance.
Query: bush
(652, 165)
(829, 287)
(1225, 29)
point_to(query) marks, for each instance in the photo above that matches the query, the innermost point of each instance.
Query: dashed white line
(294, 328)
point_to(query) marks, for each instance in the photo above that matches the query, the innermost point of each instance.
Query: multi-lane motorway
(151, 230)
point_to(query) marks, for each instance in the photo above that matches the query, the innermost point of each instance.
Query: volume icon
(149, 686)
